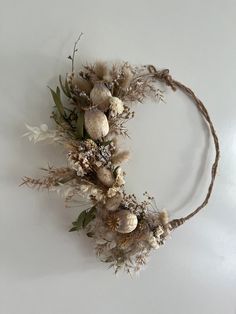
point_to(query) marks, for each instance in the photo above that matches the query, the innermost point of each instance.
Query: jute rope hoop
(164, 76)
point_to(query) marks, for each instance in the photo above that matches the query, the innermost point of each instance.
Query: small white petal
(44, 127)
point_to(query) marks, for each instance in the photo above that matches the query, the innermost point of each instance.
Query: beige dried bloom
(119, 181)
(152, 241)
(163, 217)
(116, 106)
(112, 192)
(79, 162)
(90, 144)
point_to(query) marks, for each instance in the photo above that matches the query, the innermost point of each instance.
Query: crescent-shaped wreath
(89, 119)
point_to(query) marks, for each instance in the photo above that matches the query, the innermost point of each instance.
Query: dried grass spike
(101, 70)
(127, 78)
(121, 157)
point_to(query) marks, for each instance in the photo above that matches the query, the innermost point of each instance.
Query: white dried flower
(91, 190)
(105, 176)
(153, 241)
(113, 203)
(79, 162)
(41, 133)
(116, 106)
(98, 164)
(84, 188)
(164, 217)
(112, 192)
(119, 181)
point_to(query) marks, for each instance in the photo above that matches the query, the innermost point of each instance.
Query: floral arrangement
(90, 114)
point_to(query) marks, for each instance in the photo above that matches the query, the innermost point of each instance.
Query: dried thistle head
(112, 221)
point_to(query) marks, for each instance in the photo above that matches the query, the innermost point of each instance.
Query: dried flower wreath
(89, 119)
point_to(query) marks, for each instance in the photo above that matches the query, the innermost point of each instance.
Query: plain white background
(46, 270)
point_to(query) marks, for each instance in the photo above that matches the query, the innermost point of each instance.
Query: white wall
(46, 270)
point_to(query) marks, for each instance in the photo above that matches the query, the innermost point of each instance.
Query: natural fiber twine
(164, 76)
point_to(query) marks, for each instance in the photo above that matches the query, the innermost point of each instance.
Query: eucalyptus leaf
(63, 87)
(58, 92)
(84, 218)
(73, 229)
(67, 88)
(80, 219)
(57, 100)
(90, 215)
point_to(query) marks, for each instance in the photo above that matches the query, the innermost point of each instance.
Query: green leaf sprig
(84, 218)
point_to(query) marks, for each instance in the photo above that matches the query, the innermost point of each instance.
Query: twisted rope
(164, 76)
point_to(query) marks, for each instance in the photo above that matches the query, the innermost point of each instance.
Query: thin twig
(74, 52)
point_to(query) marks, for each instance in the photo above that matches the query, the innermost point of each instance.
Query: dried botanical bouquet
(91, 110)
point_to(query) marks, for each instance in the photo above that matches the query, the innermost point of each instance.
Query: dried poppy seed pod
(96, 124)
(100, 95)
(105, 176)
(122, 221)
(114, 202)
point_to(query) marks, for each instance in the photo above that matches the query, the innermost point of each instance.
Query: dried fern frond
(55, 177)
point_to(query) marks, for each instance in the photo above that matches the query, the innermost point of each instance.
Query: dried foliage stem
(74, 52)
(165, 77)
